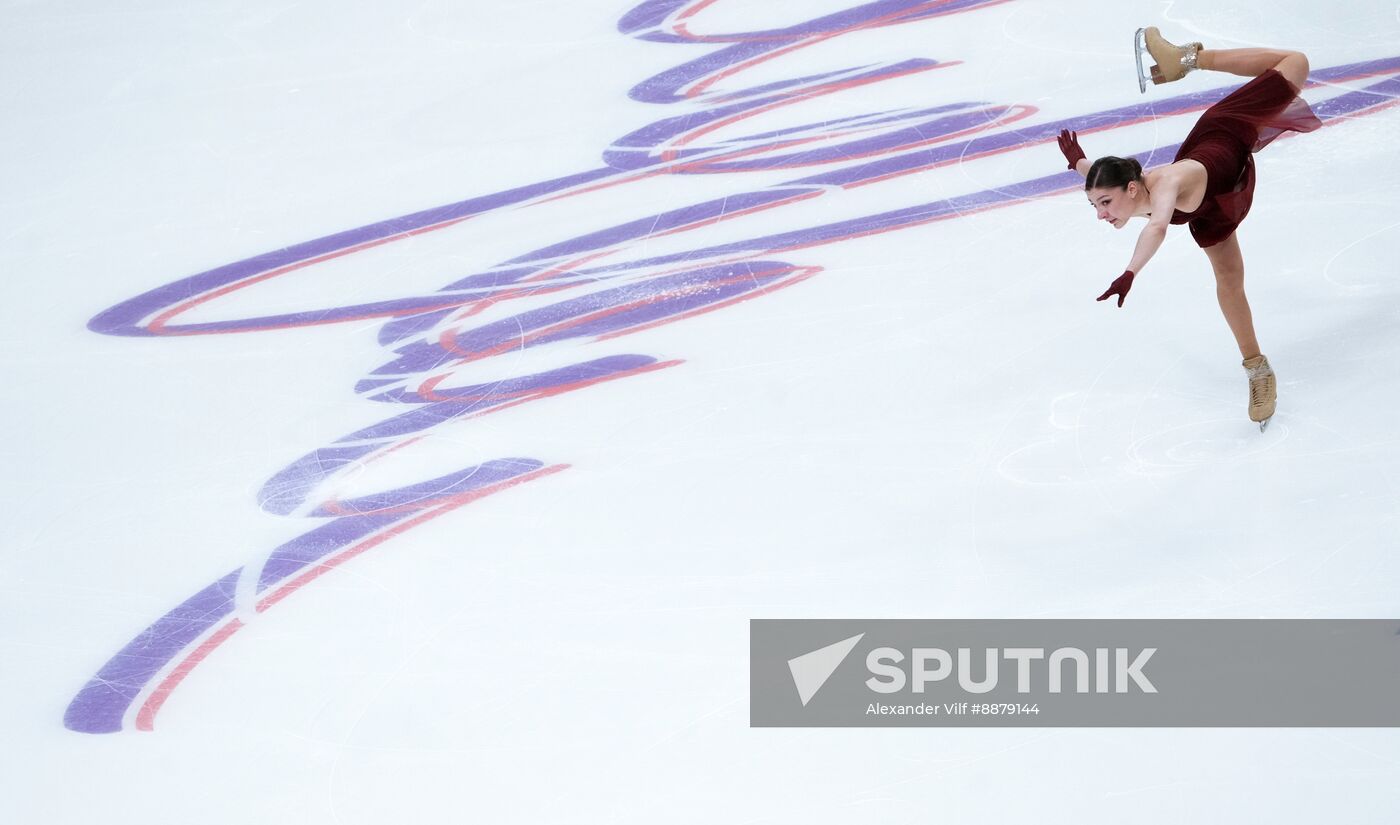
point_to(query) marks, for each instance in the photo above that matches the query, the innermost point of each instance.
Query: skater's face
(1114, 205)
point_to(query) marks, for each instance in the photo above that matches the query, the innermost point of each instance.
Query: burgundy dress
(1224, 140)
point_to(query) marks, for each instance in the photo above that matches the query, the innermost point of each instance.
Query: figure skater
(1210, 184)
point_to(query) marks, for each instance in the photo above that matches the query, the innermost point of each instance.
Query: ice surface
(892, 399)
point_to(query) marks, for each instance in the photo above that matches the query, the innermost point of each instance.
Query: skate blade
(1140, 49)
(1263, 425)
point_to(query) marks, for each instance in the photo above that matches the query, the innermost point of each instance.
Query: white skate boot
(1173, 62)
(1263, 390)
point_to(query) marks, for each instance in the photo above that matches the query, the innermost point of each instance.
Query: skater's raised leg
(1254, 62)
(1174, 62)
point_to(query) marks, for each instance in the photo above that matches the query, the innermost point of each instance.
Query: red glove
(1069, 144)
(1119, 287)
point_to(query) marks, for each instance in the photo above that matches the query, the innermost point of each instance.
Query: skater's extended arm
(1148, 242)
(1163, 200)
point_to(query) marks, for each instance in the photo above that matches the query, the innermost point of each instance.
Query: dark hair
(1113, 173)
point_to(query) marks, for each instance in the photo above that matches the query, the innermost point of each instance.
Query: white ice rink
(410, 404)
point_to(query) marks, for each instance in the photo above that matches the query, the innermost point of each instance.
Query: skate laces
(1260, 379)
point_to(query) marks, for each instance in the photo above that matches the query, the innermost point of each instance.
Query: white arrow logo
(811, 670)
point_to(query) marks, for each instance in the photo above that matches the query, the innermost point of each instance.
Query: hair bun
(1112, 173)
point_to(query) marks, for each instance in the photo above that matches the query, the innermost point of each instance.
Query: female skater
(1210, 184)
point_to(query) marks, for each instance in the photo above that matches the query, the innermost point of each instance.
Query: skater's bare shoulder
(1179, 186)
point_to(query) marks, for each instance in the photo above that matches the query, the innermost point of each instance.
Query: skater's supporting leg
(1254, 62)
(1228, 263)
